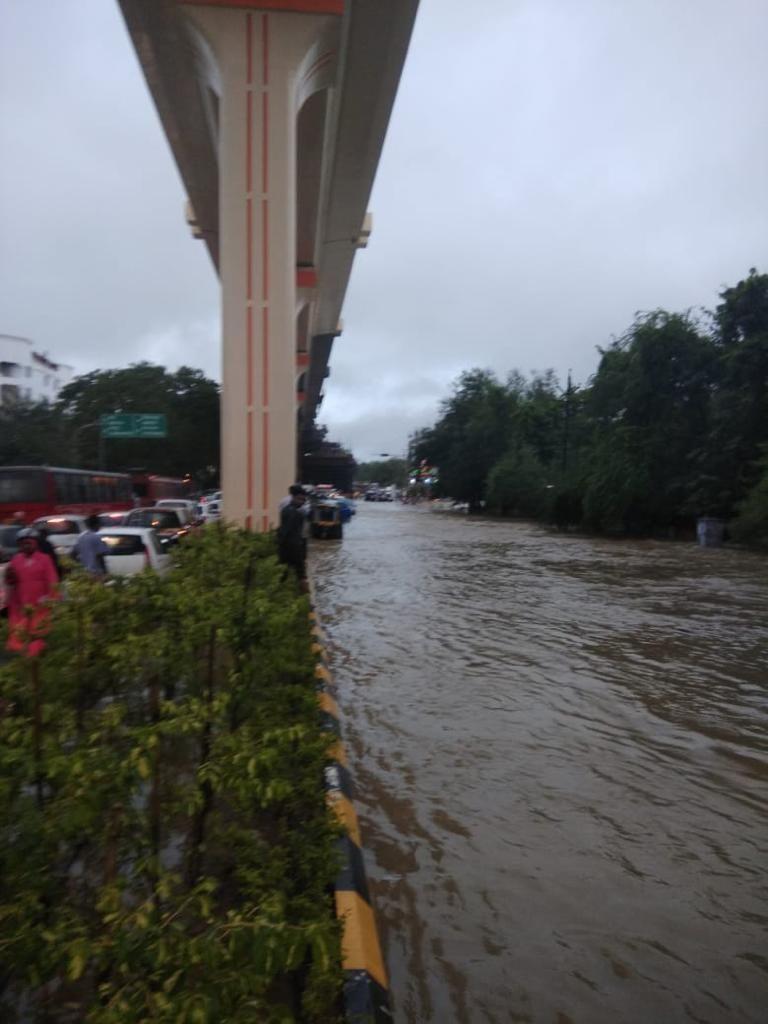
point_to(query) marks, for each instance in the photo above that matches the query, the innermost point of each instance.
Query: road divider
(366, 986)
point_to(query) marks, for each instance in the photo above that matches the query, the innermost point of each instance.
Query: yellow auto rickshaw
(325, 520)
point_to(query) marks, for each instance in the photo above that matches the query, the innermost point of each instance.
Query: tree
(649, 403)
(469, 437)
(751, 524)
(517, 484)
(31, 433)
(188, 399)
(673, 425)
(740, 397)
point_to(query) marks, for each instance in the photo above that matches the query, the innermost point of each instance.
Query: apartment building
(27, 375)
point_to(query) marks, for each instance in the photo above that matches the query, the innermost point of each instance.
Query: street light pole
(76, 441)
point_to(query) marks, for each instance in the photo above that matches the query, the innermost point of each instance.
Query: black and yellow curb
(366, 986)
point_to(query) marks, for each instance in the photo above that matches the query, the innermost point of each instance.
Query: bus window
(22, 485)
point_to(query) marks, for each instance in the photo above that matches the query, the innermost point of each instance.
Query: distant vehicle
(348, 508)
(182, 505)
(8, 547)
(36, 491)
(167, 522)
(62, 531)
(150, 488)
(133, 549)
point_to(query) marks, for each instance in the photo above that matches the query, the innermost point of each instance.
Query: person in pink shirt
(31, 583)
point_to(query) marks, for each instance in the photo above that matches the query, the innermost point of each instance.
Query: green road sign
(119, 424)
(134, 424)
(150, 424)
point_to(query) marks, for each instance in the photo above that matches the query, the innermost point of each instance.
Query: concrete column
(259, 56)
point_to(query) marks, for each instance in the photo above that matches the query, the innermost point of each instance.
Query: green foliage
(517, 484)
(739, 429)
(472, 430)
(66, 433)
(649, 405)
(751, 523)
(670, 427)
(166, 852)
(31, 433)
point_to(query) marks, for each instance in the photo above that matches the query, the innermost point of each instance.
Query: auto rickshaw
(325, 520)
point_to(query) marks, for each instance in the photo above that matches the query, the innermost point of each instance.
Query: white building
(27, 375)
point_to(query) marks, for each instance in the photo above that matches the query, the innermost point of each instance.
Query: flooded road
(561, 756)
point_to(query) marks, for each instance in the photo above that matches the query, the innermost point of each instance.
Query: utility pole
(566, 422)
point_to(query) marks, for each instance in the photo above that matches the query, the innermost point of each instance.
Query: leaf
(76, 965)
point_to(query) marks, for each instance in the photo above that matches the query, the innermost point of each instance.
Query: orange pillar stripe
(249, 340)
(265, 266)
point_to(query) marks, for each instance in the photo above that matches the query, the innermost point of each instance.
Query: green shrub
(166, 853)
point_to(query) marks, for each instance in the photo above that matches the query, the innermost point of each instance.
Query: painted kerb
(366, 986)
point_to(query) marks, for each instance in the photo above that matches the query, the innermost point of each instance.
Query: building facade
(27, 375)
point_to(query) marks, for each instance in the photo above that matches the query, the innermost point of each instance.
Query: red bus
(46, 490)
(149, 489)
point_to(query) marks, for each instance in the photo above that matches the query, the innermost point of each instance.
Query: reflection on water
(561, 756)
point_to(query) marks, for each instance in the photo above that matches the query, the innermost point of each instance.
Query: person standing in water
(291, 544)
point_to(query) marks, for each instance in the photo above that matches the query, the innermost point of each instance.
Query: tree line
(66, 433)
(673, 425)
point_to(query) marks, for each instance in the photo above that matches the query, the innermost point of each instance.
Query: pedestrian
(44, 545)
(90, 550)
(291, 544)
(32, 583)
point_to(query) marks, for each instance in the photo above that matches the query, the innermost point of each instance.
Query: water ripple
(562, 754)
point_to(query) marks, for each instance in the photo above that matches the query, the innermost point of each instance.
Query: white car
(112, 518)
(132, 549)
(208, 512)
(185, 508)
(62, 530)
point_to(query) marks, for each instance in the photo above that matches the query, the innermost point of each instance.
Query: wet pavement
(561, 755)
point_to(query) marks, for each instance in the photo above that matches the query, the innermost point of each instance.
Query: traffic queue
(115, 542)
(119, 542)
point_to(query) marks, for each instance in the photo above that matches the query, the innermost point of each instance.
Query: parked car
(181, 505)
(208, 512)
(63, 531)
(8, 547)
(133, 549)
(113, 518)
(167, 522)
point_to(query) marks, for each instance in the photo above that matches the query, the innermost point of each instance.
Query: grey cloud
(551, 168)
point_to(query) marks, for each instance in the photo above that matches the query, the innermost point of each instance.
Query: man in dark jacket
(291, 545)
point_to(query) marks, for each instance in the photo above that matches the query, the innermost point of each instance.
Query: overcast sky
(551, 167)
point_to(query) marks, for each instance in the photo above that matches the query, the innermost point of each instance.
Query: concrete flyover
(276, 112)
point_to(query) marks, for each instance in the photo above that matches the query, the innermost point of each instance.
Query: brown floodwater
(561, 756)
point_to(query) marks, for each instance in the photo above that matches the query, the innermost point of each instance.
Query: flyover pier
(276, 113)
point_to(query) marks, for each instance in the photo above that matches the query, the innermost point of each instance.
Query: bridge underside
(276, 113)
